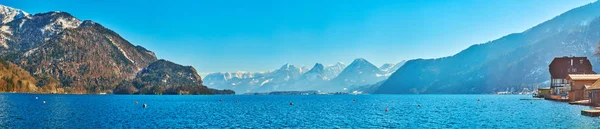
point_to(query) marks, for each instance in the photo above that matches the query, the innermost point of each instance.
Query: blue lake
(319, 111)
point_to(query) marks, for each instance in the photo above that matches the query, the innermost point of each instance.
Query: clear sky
(262, 35)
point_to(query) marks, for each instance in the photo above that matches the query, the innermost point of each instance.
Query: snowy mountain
(29, 32)
(317, 73)
(244, 82)
(68, 55)
(333, 71)
(359, 72)
(290, 77)
(8, 14)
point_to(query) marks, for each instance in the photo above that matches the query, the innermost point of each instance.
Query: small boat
(144, 105)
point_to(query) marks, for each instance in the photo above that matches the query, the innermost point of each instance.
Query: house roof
(578, 77)
(560, 67)
(595, 86)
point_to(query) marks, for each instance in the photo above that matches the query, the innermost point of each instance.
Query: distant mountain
(293, 78)
(317, 73)
(244, 82)
(359, 72)
(69, 55)
(241, 82)
(387, 66)
(277, 79)
(390, 68)
(515, 61)
(333, 71)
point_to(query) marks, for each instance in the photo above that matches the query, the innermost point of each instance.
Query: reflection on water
(327, 111)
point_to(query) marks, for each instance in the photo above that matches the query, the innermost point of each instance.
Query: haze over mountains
(515, 61)
(67, 55)
(331, 78)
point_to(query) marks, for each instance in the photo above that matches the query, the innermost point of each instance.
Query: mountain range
(67, 55)
(55, 52)
(331, 78)
(515, 61)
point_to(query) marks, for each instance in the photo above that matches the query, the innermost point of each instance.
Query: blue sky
(261, 35)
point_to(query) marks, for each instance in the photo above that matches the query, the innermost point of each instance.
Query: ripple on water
(337, 111)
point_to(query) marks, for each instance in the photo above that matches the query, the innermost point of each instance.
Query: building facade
(594, 94)
(560, 68)
(579, 83)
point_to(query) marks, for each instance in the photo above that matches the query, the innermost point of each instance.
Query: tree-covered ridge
(165, 77)
(15, 79)
(87, 59)
(55, 52)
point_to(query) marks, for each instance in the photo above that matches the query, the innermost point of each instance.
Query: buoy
(386, 109)
(291, 103)
(136, 102)
(144, 105)
(44, 102)
(36, 98)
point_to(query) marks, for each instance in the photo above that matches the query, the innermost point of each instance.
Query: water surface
(319, 111)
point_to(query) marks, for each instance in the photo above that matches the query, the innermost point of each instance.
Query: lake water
(323, 111)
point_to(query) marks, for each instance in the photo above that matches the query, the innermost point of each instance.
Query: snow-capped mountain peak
(8, 14)
(318, 68)
(333, 71)
(316, 73)
(360, 72)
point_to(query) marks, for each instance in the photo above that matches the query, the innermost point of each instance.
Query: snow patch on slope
(120, 49)
(6, 29)
(29, 52)
(60, 24)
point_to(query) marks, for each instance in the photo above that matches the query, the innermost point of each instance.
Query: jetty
(592, 113)
(531, 99)
(581, 102)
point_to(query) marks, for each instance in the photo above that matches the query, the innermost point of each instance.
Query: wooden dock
(531, 99)
(592, 113)
(581, 102)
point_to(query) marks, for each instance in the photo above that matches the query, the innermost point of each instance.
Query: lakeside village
(572, 80)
